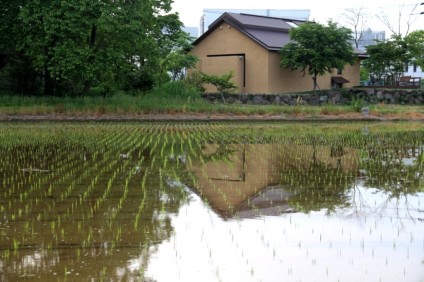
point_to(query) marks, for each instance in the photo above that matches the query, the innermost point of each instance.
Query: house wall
(351, 73)
(227, 40)
(259, 69)
(221, 65)
(283, 80)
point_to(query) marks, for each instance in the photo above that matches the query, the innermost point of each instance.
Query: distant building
(192, 30)
(413, 70)
(370, 37)
(211, 15)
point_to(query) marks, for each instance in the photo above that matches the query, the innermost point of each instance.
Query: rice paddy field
(227, 201)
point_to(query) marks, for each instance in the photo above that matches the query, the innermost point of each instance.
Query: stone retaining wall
(339, 97)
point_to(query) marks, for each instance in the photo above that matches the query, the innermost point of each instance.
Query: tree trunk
(87, 87)
(92, 41)
(314, 78)
(48, 82)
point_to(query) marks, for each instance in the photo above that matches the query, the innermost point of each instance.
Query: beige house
(249, 46)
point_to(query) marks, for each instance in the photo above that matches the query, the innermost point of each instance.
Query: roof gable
(271, 33)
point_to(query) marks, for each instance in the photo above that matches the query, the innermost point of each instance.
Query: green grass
(143, 104)
(177, 103)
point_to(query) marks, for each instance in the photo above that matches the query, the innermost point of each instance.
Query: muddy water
(168, 202)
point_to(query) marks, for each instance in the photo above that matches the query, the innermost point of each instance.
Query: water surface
(212, 202)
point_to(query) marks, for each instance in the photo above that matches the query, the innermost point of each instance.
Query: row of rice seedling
(336, 140)
(103, 188)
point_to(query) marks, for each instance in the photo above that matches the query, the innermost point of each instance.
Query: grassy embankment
(177, 101)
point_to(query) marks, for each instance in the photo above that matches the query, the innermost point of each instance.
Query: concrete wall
(335, 96)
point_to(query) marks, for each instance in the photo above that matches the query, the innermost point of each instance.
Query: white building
(414, 71)
(370, 37)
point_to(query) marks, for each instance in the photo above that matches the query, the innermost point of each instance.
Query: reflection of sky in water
(64, 225)
(376, 239)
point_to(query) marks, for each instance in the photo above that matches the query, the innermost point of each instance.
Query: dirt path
(205, 117)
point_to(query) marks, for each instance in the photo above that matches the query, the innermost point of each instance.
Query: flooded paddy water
(211, 202)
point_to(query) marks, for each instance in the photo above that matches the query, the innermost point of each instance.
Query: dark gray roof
(272, 33)
(272, 40)
(361, 54)
(273, 200)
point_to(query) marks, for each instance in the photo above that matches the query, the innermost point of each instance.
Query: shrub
(196, 79)
(221, 82)
(175, 89)
(357, 104)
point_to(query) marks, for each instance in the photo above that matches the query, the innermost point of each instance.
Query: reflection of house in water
(245, 180)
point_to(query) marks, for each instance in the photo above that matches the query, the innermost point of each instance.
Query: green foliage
(222, 83)
(387, 59)
(102, 90)
(364, 74)
(415, 42)
(317, 49)
(177, 62)
(10, 29)
(175, 90)
(18, 75)
(76, 45)
(195, 79)
(357, 104)
(176, 59)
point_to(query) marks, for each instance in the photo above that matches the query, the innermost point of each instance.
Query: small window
(415, 67)
(406, 67)
(339, 71)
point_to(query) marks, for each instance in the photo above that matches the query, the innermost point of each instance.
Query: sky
(190, 11)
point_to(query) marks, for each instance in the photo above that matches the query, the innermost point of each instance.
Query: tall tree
(176, 58)
(82, 42)
(356, 19)
(406, 16)
(16, 71)
(173, 46)
(9, 24)
(388, 59)
(317, 49)
(415, 42)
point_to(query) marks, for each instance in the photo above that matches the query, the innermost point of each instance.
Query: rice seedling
(108, 191)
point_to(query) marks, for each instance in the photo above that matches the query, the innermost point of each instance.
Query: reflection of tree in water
(337, 151)
(397, 170)
(397, 173)
(316, 185)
